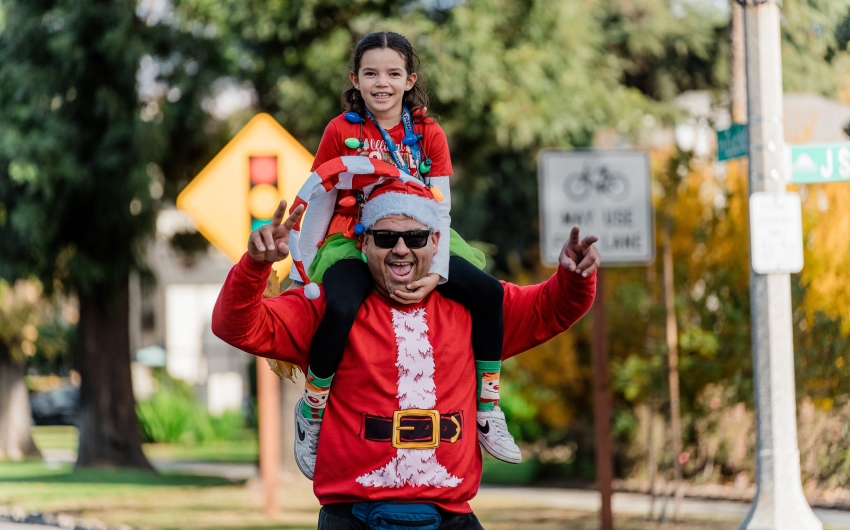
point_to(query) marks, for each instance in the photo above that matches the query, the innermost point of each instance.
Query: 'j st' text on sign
(606, 194)
(814, 163)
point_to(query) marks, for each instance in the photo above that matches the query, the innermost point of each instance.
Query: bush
(172, 417)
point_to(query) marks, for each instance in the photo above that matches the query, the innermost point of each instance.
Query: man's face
(394, 268)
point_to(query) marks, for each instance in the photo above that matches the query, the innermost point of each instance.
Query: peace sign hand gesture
(270, 243)
(580, 255)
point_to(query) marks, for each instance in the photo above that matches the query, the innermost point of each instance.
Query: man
(399, 435)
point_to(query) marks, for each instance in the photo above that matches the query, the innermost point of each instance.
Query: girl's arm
(440, 265)
(437, 149)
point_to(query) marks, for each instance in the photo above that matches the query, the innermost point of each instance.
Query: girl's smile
(382, 81)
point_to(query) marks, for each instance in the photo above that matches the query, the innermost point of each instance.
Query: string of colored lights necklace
(411, 139)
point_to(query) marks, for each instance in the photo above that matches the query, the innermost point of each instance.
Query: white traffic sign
(776, 232)
(607, 194)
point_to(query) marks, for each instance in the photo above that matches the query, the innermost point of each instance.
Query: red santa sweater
(398, 357)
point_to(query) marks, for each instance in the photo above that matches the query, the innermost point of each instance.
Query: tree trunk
(109, 427)
(15, 415)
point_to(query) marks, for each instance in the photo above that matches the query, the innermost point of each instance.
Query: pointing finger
(587, 242)
(279, 213)
(574, 235)
(293, 217)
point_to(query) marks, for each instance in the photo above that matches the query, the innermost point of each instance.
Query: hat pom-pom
(311, 291)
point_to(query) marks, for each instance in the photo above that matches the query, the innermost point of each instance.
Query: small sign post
(732, 142)
(237, 192)
(607, 194)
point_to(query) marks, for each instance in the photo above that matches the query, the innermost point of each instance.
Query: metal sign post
(234, 194)
(607, 194)
(779, 503)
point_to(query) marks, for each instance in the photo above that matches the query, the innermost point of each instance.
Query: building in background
(170, 317)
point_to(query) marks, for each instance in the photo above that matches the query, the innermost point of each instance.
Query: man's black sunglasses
(388, 238)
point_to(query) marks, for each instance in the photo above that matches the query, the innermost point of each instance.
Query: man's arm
(537, 313)
(278, 328)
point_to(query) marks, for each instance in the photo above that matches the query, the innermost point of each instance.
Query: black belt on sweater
(414, 428)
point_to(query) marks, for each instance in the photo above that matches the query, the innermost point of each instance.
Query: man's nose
(400, 247)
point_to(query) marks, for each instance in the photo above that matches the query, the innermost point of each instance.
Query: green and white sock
(316, 393)
(487, 383)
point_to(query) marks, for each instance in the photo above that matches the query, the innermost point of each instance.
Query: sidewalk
(632, 504)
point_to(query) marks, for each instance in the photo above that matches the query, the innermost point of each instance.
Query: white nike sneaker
(306, 441)
(494, 436)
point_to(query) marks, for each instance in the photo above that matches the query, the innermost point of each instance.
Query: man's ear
(435, 238)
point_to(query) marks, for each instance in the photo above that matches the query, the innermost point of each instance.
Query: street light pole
(779, 503)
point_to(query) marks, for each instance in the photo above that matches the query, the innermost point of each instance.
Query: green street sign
(732, 142)
(817, 163)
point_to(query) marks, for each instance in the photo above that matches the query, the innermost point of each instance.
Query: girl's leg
(347, 283)
(483, 295)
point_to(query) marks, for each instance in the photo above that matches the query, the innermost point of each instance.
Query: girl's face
(382, 81)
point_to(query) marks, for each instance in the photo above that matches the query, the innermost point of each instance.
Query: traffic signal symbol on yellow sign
(239, 190)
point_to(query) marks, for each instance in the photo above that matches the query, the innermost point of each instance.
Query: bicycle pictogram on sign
(599, 179)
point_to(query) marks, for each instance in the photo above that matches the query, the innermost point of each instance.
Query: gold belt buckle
(433, 443)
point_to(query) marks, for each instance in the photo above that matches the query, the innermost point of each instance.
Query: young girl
(386, 119)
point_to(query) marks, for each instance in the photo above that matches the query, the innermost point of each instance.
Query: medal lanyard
(393, 148)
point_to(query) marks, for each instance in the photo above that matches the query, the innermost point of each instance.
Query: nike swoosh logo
(301, 433)
(484, 428)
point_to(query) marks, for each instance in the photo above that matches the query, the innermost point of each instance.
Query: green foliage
(520, 414)
(815, 57)
(172, 417)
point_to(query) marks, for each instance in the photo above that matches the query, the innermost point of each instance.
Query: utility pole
(268, 418)
(779, 503)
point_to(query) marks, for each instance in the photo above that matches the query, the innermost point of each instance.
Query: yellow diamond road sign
(241, 187)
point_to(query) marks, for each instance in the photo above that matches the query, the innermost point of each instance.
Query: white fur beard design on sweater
(416, 390)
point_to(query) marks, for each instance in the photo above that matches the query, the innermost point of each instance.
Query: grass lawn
(150, 500)
(241, 450)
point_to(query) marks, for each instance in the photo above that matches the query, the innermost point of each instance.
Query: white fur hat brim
(419, 208)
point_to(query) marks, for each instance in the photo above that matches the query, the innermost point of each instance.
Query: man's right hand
(270, 243)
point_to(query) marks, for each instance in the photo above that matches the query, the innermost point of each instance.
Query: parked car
(55, 407)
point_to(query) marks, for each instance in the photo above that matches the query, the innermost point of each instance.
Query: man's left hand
(580, 255)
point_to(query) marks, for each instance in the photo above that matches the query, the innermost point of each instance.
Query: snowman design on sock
(489, 388)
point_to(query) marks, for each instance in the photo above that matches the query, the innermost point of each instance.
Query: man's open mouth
(401, 270)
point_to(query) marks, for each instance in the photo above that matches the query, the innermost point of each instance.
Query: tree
(74, 192)
(18, 333)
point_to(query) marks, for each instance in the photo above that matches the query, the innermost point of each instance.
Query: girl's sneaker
(306, 441)
(494, 436)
